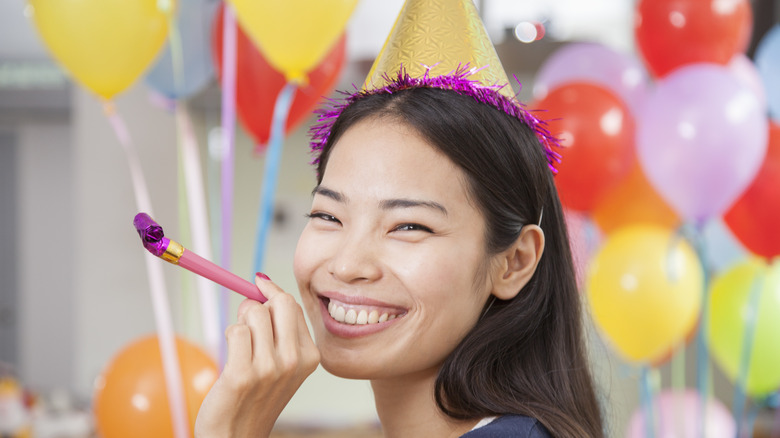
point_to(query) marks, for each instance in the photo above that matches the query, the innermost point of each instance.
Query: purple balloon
(678, 414)
(744, 69)
(701, 138)
(621, 73)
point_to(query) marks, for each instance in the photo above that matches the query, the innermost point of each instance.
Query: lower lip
(344, 330)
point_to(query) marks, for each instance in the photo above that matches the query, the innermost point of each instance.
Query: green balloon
(732, 308)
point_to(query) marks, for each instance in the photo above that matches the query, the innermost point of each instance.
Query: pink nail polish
(262, 276)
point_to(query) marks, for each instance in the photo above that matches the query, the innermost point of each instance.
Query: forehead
(382, 158)
(385, 150)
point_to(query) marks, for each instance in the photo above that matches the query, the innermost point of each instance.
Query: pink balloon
(620, 73)
(678, 415)
(744, 69)
(701, 138)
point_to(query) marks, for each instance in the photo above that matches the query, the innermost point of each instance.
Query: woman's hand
(270, 354)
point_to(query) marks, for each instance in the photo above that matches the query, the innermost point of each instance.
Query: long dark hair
(526, 355)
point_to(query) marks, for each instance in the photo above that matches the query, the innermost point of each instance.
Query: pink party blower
(155, 241)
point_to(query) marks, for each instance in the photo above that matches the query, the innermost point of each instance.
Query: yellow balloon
(294, 35)
(731, 310)
(644, 288)
(104, 44)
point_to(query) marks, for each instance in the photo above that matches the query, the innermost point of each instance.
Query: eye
(412, 227)
(323, 216)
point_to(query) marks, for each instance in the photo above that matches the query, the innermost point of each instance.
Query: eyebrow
(387, 204)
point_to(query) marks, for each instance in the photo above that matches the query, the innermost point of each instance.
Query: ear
(515, 266)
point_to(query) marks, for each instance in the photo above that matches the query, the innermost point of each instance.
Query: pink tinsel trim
(457, 81)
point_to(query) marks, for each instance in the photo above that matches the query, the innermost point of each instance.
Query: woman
(435, 264)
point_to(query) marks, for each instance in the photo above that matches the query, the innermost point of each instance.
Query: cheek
(304, 264)
(446, 276)
(306, 256)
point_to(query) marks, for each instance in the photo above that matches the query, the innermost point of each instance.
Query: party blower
(171, 251)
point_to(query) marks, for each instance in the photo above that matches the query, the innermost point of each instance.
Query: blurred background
(668, 116)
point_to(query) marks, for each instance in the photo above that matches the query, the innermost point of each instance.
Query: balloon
(294, 35)
(632, 201)
(130, 398)
(644, 288)
(701, 138)
(678, 415)
(193, 21)
(584, 238)
(768, 64)
(596, 131)
(731, 310)
(754, 217)
(743, 69)
(674, 33)
(104, 44)
(618, 72)
(258, 84)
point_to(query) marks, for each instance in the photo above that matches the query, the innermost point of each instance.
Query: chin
(357, 363)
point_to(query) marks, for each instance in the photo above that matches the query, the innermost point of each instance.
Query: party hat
(436, 37)
(439, 44)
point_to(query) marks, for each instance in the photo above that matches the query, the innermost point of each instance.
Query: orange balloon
(130, 395)
(632, 201)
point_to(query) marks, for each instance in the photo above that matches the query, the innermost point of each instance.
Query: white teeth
(362, 317)
(351, 316)
(357, 317)
(338, 313)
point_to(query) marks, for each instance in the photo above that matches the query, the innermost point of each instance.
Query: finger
(243, 306)
(239, 347)
(284, 317)
(267, 287)
(309, 348)
(257, 317)
(304, 335)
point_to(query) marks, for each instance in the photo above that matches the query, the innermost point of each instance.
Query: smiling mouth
(360, 315)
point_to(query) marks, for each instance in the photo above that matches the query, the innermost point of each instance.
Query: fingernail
(262, 276)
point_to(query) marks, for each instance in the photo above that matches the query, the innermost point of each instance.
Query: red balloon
(754, 217)
(596, 131)
(258, 84)
(672, 33)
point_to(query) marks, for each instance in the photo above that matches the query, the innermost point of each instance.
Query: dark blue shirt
(510, 426)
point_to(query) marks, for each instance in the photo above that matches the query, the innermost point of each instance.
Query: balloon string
(213, 164)
(185, 280)
(740, 397)
(271, 175)
(228, 154)
(678, 369)
(162, 313)
(751, 419)
(678, 359)
(646, 394)
(776, 425)
(678, 387)
(703, 372)
(201, 244)
(177, 54)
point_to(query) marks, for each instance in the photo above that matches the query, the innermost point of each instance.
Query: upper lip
(357, 300)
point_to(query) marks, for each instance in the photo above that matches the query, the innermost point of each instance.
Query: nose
(356, 260)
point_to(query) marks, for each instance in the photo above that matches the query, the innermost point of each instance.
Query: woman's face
(391, 266)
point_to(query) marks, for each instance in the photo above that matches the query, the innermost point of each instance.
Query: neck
(407, 408)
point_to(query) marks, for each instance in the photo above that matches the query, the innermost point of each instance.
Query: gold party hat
(437, 37)
(439, 44)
